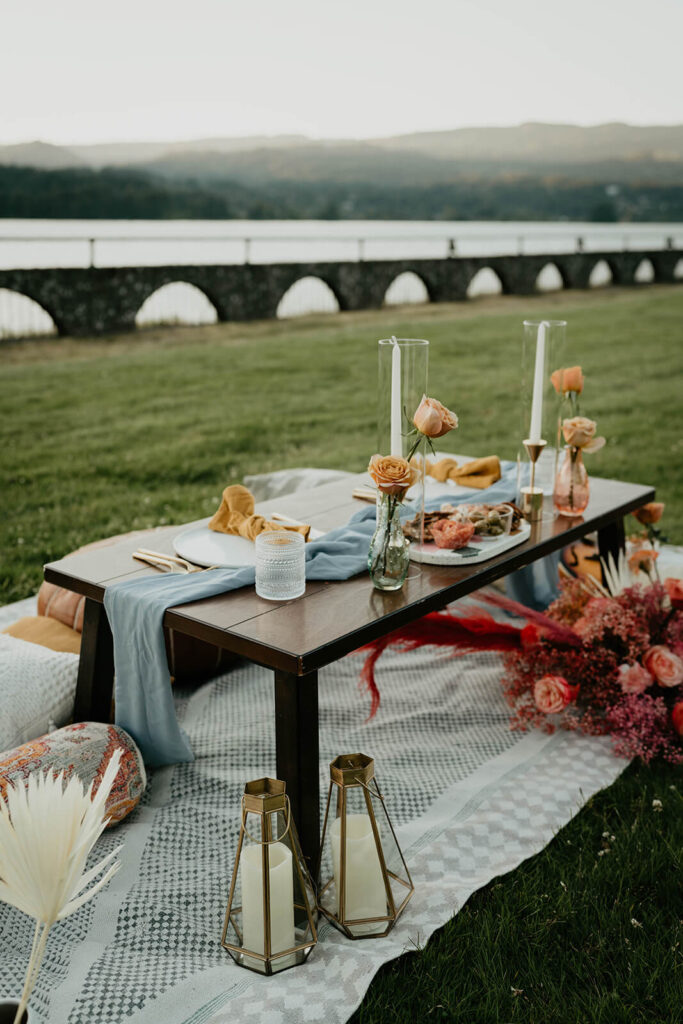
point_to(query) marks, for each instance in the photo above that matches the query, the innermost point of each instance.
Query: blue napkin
(135, 609)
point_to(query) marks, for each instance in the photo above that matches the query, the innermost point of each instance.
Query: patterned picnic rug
(470, 798)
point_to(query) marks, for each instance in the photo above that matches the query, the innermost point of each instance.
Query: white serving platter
(202, 546)
(475, 552)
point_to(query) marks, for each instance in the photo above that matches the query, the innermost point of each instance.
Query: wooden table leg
(297, 754)
(96, 666)
(611, 540)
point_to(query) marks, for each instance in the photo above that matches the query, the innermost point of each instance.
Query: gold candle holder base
(532, 497)
(532, 504)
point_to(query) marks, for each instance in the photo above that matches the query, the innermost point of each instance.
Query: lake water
(64, 243)
(78, 243)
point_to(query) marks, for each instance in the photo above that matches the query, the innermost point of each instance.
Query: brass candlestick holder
(532, 497)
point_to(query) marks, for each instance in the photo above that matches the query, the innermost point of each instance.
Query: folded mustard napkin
(236, 516)
(479, 473)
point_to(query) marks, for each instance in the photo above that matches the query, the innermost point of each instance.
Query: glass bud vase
(389, 556)
(571, 491)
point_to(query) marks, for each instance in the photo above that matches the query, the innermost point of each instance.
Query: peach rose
(569, 379)
(433, 419)
(553, 693)
(674, 589)
(634, 678)
(650, 513)
(449, 534)
(677, 717)
(579, 432)
(665, 666)
(392, 474)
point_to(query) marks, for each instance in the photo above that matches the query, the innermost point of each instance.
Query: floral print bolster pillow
(83, 749)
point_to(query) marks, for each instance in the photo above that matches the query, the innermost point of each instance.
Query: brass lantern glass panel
(363, 881)
(270, 922)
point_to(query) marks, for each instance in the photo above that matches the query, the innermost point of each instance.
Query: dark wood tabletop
(334, 618)
(296, 638)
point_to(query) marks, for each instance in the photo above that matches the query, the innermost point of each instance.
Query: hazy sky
(91, 71)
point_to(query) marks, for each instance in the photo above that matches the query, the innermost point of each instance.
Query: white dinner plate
(473, 553)
(206, 547)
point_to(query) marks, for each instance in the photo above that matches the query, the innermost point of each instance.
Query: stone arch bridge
(101, 299)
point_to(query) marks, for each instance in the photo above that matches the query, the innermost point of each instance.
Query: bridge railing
(93, 250)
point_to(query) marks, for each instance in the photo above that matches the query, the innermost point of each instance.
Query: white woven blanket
(37, 689)
(471, 799)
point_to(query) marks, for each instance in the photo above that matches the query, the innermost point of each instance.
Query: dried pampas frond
(47, 830)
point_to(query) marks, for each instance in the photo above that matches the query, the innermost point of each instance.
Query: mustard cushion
(39, 629)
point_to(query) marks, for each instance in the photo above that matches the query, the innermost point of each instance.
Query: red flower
(530, 635)
(674, 589)
(553, 693)
(677, 717)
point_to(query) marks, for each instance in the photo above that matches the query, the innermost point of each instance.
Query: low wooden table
(297, 638)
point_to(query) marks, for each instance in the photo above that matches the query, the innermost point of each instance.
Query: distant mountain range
(607, 153)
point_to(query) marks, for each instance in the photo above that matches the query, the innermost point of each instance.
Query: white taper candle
(396, 439)
(536, 426)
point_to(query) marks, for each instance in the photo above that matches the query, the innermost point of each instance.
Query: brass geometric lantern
(270, 922)
(363, 881)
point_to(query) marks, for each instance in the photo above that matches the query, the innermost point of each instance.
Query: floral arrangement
(393, 475)
(578, 431)
(605, 660)
(615, 668)
(571, 490)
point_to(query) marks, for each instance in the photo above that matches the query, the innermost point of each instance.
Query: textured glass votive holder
(280, 565)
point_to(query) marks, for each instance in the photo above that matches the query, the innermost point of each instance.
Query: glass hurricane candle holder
(270, 922)
(402, 381)
(543, 351)
(363, 881)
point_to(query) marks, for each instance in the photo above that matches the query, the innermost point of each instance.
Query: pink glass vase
(571, 492)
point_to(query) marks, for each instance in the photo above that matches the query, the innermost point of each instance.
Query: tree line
(82, 193)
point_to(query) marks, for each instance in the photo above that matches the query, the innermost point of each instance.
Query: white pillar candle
(535, 429)
(396, 439)
(364, 892)
(281, 898)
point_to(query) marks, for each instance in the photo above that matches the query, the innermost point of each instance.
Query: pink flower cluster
(623, 677)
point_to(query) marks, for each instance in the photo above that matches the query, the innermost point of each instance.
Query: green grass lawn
(108, 435)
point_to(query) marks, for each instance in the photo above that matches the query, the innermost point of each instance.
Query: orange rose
(579, 432)
(433, 419)
(665, 666)
(553, 693)
(569, 379)
(650, 513)
(392, 474)
(674, 589)
(642, 558)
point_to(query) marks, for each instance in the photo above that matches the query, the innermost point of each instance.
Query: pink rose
(674, 589)
(665, 666)
(553, 693)
(433, 419)
(634, 678)
(579, 432)
(677, 717)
